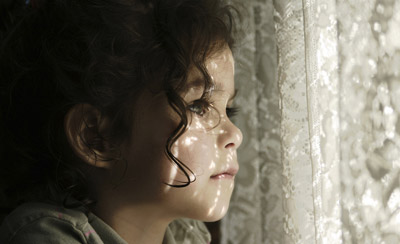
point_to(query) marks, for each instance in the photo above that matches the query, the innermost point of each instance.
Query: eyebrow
(199, 83)
(219, 87)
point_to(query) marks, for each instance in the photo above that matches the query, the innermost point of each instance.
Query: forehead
(221, 58)
(220, 67)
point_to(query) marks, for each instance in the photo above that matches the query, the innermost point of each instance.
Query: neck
(141, 223)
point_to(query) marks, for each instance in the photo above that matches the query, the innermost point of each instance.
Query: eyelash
(232, 111)
(205, 107)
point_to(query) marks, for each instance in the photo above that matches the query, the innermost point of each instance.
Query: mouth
(227, 174)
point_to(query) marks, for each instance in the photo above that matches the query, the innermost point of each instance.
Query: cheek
(198, 152)
(145, 150)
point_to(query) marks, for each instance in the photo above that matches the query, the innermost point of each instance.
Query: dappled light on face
(189, 140)
(198, 125)
(207, 121)
(212, 65)
(212, 165)
(221, 200)
(175, 150)
(205, 147)
(230, 157)
(211, 211)
(223, 209)
(238, 137)
(172, 175)
(195, 194)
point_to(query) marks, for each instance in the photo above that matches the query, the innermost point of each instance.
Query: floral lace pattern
(370, 128)
(319, 85)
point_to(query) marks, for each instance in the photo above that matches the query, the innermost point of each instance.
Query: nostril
(229, 145)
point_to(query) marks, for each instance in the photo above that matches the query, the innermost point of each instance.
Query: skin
(140, 206)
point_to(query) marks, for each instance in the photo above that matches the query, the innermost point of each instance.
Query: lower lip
(222, 176)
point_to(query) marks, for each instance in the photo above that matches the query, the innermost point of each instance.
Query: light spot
(388, 110)
(368, 200)
(212, 165)
(189, 140)
(213, 65)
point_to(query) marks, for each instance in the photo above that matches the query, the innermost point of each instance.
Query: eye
(232, 111)
(199, 107)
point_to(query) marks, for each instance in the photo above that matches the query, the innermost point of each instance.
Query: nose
(230, 136)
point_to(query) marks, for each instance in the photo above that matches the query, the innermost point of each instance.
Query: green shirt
(40, 223)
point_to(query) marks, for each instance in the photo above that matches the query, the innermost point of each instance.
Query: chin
(216, 213)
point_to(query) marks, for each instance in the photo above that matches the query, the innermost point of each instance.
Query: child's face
(208, 150)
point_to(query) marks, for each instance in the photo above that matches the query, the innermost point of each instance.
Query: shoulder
(44, 223)
(187, 231)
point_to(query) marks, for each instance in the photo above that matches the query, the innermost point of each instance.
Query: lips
(225, 174)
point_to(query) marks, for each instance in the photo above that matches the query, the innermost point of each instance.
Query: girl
(115, 120)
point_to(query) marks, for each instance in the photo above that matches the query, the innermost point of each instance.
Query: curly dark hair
(55, 54)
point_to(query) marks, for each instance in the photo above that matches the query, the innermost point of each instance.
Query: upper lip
(232, 170)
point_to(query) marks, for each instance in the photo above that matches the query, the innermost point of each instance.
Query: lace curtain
(319, 93)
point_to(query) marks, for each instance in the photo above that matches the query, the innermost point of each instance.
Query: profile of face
(208, 148)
